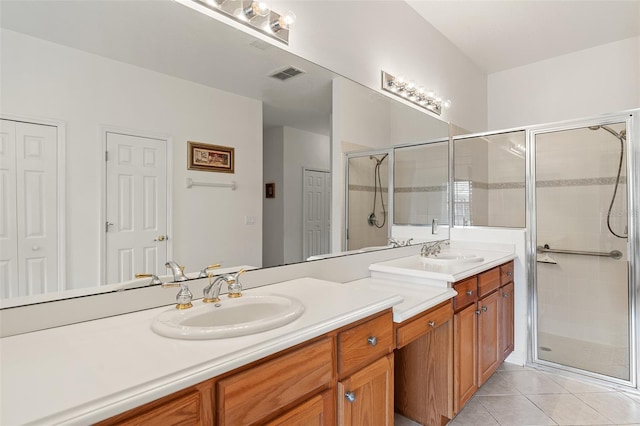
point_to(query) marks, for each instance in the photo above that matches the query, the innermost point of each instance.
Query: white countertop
(413, 270)
(417, 297)
(86, 372)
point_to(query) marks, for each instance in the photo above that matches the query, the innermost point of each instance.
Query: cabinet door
(424, 377)
(506, 320)
(317, 411)
(489, 353)
(465, 356)
(366, 397)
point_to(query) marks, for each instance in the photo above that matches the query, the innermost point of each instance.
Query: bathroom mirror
(421, 181)
(489, 180)
(161, 75)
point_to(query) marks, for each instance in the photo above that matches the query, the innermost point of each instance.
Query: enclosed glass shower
(581, 278)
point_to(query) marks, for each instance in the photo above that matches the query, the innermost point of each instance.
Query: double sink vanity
(418, 336)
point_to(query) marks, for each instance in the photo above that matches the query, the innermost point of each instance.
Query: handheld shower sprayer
(372, 220)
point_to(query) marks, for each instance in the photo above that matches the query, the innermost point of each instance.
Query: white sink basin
(449, 258)
(228, 318)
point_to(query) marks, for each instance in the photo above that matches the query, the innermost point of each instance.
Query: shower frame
(630, 118)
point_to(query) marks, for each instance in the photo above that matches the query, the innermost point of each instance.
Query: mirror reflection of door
(136, 206)
(317, 193)
(29, 209)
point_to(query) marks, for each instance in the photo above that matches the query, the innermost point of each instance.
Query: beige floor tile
(577, 386)
(400, 420)
(498, 385)
(530, 382)
(567, 409)
(512, 410)
(613, 405)
(473, 414)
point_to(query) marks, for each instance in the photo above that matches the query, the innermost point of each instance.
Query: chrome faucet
(204, 272)
(432, 248)
(178, 273)
(211, 293)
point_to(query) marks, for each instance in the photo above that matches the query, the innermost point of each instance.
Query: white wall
(42, 79)
(273, 208)
(287, 152)
(359, 39)
(594, 81)
(301, 149)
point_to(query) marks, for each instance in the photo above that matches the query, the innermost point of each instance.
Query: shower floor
(608, 360)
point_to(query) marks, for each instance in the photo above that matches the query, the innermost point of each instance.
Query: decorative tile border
(580, 182)
(439, 188)
(364, 188)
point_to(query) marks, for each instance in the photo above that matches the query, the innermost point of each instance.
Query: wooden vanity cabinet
(294, 387)
(424, 368)
(483, 329)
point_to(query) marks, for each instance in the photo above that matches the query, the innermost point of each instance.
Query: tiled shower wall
(361, 192)
(581, 297)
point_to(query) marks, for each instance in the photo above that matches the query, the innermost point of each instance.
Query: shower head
(622, 135)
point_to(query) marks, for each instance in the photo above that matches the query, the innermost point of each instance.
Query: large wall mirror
(102, 98)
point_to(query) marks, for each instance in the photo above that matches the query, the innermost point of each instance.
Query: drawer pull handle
(509, 273)
(432, 324)
(469, 292)
(350, 396)
(372, 340)
(484, 309)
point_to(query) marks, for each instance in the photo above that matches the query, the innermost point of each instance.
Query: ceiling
(504, 34)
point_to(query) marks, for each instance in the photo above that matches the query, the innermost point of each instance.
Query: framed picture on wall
(210, 158)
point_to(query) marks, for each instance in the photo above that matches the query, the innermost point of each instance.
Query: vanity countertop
(412, 269)
(417, 297)
(86, 372)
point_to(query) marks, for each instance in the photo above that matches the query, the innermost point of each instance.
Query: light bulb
(431, 94)
(283, 22)
(447, 103)
(438, 100)
(411, 85)
(400, 80)
(260, 8)
(421, 90)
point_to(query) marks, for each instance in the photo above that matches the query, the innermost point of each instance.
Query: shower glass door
(582, 296)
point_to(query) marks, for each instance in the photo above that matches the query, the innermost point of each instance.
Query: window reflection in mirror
(489, 180)
(421, 176)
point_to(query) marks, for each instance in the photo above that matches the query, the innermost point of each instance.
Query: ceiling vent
(287, 73)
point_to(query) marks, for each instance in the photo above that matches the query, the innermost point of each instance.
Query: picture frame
(210, 158)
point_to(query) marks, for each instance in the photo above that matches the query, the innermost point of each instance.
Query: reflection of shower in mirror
(377, 189)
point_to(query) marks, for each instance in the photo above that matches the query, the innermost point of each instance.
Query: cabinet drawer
(467, 293)
(506, 273)
(488, 281)
(424, 324)
(252, 395)
(365, 343)
(184, 410)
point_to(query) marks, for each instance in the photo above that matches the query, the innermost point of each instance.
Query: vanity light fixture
(409, 91)
(256, 14)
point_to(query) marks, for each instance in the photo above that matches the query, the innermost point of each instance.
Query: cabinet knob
(484, 309)
(469, 292)
(478, 312)
(350, 396)
(505, 294)
(432, 324)
(509, 273)
(372, 340)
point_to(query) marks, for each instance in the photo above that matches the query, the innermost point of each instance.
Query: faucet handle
(235, 287)
(204, 271)
(154, 278)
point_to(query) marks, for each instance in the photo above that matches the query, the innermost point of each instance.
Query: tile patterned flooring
(517, 395)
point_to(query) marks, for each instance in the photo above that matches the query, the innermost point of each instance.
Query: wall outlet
(249, 220)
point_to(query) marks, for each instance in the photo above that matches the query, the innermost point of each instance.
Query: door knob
(161, 238)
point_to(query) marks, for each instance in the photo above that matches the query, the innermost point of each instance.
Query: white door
(29, 212)
(136, 206)
(316, 186)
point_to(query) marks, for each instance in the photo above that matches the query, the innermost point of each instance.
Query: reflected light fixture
(418, 95)
(256, 14)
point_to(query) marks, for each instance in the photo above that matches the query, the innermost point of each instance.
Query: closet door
(30, 209)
